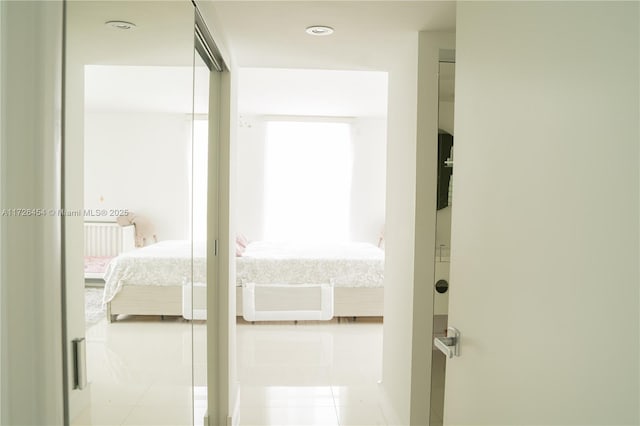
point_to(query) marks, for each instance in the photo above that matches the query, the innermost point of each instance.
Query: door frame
(221, 378)
(432, 48)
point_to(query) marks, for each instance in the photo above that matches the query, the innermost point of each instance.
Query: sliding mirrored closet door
(443, 230)
(196, 300)
(134, 141)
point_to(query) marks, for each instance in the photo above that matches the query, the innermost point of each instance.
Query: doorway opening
(310, 245)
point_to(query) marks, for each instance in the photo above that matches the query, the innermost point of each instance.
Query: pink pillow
(242, 241)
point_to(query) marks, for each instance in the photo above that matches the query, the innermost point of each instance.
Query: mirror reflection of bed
(152, 189)
(137, 105)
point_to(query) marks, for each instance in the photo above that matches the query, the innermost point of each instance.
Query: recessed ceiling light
(319, 30)
(121, 25)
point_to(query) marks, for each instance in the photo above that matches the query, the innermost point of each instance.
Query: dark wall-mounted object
(442, 286)
(445, 143)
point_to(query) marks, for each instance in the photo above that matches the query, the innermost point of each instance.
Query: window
(307, 181)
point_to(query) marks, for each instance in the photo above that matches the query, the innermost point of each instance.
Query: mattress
(342, 264)
(167, 263)
(170, 263)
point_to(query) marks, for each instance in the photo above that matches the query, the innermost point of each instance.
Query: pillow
(145, 232)
(242, 241)
(241, 244)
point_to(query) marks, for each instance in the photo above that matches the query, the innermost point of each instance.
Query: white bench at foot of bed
(348, 302)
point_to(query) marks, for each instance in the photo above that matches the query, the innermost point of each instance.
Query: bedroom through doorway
(311, 156)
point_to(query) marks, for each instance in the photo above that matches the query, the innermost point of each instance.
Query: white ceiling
(271, 34)
(163, 36)
(260, 34)
(367, 33)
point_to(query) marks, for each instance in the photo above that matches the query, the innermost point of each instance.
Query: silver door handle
(450, 345)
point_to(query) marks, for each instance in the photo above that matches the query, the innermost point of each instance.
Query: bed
(151, 280)
(154, 280)
(354, 273)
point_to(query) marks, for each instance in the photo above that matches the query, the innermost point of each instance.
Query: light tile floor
(140, 373)
(310, 373)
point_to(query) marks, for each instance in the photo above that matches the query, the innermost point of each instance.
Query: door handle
(450, 345)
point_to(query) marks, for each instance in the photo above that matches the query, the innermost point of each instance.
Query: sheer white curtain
(307, 181)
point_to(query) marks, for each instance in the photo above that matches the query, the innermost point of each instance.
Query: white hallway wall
(367, 212)
(30, 284)
(140, 162)
(546, 156)
(400, 229)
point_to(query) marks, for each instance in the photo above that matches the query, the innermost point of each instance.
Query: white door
(544, 272)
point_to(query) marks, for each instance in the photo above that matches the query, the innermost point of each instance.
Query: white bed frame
(168, 300)
(146, 300)
(264, 301)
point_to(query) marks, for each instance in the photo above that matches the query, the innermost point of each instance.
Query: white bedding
(168, 263)
(343, 265)
(165, 263)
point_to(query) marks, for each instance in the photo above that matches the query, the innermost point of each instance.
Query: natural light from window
(307, 181)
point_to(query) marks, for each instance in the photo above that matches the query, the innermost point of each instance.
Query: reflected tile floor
(310, 373)
(140, 373)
